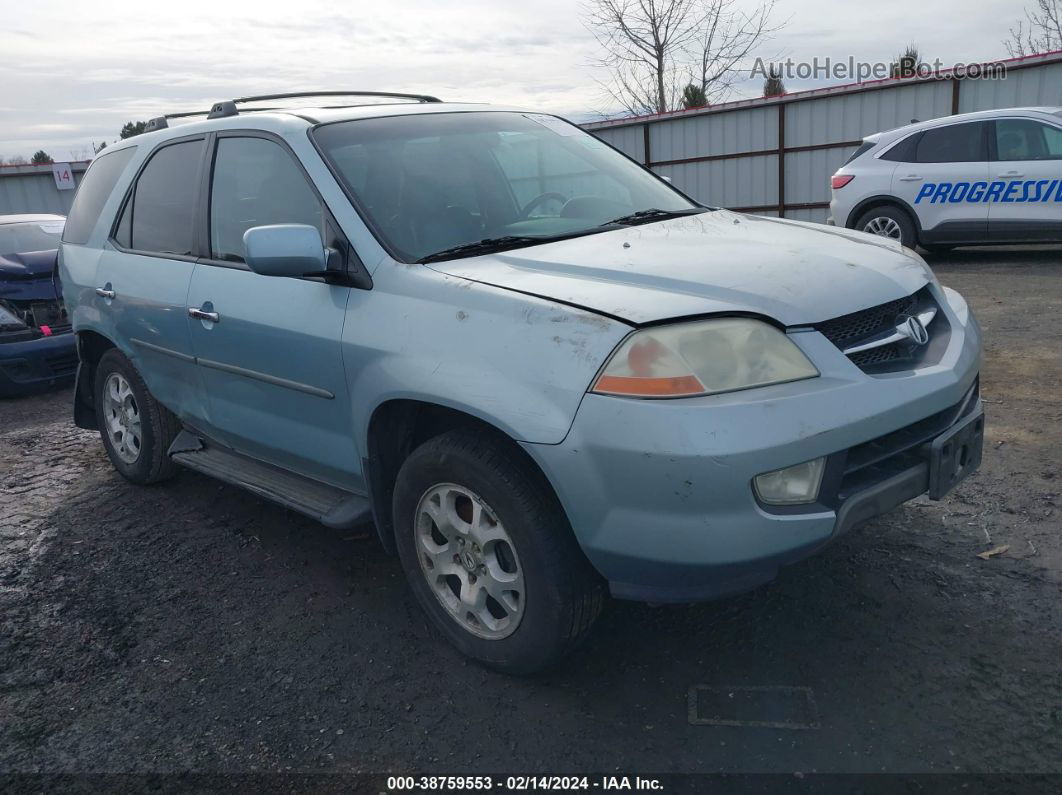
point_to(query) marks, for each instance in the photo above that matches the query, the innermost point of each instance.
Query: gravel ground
(191, 627)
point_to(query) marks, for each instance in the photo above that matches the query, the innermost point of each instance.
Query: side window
(1025, 139)
(904, 151)
(864, 147)
(256, 183)
(956, 143)
(159, 217)
(92, 194)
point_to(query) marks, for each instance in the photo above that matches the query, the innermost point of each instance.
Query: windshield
(430, 182)
(33, 236)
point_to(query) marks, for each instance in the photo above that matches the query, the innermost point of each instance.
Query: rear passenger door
(1027, 161)
(942, 174)
(272, 363)
(144, 273)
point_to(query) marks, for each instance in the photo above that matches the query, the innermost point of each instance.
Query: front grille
(863, 326)
(843, 331)
(875, 356)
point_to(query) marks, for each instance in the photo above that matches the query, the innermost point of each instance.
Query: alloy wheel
(469, 561)
(122, 417)
(884, 227)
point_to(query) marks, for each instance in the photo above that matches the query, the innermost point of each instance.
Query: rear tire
(136, 429)
(476, 520)
(889, 221)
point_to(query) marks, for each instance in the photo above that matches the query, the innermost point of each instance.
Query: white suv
(976, 178)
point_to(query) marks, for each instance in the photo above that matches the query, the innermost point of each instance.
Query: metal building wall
(31, 189)
(744, 154)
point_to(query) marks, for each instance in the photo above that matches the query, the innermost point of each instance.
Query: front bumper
(38, 364)
(659, 492)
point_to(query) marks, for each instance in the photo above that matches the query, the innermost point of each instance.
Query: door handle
(1012, 174)
(103, 292)
(911, 178)
(213, 317)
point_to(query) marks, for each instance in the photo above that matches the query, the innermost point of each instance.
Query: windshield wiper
(489, 245)
(652, 214)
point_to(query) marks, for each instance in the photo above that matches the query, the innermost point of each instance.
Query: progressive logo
(1015, 191)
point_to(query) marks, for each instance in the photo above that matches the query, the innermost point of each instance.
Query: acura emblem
(912, 328)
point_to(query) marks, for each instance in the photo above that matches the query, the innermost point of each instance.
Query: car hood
(719, 261)
(27, 276)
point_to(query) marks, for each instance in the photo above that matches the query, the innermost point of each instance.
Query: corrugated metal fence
(32, 189)
(775, 156)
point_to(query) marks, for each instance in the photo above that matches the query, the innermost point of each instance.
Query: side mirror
(285, 250)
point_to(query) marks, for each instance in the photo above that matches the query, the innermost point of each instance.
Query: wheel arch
(396, 428)
(883, 200)
(91, 345)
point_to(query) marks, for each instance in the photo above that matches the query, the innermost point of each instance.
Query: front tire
(889, 221)
(136, 429)
(489, 553)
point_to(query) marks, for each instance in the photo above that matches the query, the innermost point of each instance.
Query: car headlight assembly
(9, 321)
(702, 358)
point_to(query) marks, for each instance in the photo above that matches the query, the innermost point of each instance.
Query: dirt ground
(191, 627)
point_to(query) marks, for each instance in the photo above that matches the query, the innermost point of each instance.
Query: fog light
(791, 486)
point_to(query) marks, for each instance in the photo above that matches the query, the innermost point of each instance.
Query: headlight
(702, 358)
(9, 321)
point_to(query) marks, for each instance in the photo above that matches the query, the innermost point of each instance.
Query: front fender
(519, 363)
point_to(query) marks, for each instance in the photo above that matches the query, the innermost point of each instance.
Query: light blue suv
(545, 374)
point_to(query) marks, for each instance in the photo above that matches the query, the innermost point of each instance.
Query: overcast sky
(73, 73)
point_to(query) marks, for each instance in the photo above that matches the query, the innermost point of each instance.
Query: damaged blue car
(37, 350)
(541, 371)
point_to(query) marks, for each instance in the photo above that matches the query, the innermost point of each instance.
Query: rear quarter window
(865, 147)
(96, 186)
(904, 151)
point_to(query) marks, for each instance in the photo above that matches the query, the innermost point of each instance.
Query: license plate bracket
(955, 454)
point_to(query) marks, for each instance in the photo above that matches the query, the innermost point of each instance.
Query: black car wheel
(136, 429)
(490, 555)
(889, 221)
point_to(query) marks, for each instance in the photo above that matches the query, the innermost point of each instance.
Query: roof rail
(300, 94)
(227, 107)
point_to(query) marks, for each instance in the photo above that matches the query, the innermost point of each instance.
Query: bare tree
(1040, 31)
(653, 49)
(16, 160)
(643, 41)
(726, 39)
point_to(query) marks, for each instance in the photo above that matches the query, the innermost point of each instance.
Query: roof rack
(228, 107)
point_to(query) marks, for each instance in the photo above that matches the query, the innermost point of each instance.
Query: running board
(331, 506)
